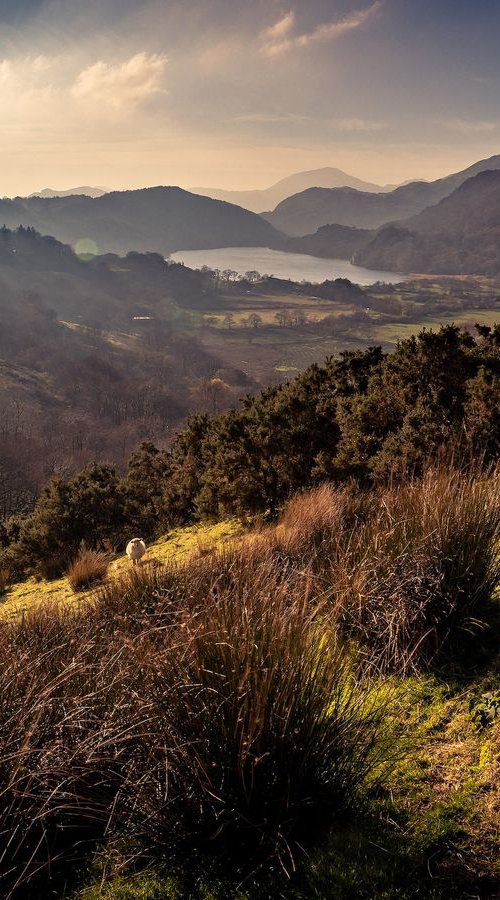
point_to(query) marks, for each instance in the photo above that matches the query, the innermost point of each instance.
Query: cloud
(359, 125)
(270, 118)
(121, 86)
(282, 27)
(465, 126)
(278, 39)
(29, 89)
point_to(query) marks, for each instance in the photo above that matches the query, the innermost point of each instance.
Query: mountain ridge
(259, 200)
(308, 210)
(458, 235)
(161, 218)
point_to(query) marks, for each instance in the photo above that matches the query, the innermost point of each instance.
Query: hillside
(268, 198)
(459, 235)
(331, 242)
(211, 684)
(161, 219)
(71, 192)
(305, 212)
(94, 357)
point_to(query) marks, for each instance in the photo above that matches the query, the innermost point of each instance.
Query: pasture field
(270, 352)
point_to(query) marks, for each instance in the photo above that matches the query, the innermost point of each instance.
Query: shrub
(278, 732)
(485, 711)
(88, 569)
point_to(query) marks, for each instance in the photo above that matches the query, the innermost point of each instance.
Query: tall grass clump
(280, 734)
(88, 569)
(411, 567)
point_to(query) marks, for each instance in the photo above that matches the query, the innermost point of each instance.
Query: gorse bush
(88, 569)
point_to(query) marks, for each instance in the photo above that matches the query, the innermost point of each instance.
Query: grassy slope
(179, 543)
(432, 833)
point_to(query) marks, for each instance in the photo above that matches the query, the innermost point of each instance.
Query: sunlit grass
(177, 545)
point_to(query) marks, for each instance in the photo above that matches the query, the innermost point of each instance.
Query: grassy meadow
(308, 710)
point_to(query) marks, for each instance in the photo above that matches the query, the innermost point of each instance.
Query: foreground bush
(88, 569)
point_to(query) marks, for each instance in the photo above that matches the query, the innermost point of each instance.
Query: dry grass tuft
(88, 569)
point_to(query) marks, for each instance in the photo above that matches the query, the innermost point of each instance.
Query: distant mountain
(330, 242)
(459, 235)
(85, 190)
(258, 201)
(307, 211)
(162, 219)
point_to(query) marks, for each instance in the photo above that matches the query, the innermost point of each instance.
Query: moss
(148, 886)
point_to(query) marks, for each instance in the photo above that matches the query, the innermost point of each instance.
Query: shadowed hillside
(459, 235)
(162, 219)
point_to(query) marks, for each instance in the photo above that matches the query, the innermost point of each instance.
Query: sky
(237, 94)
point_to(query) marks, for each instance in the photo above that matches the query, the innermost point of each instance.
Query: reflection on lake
(296, 266)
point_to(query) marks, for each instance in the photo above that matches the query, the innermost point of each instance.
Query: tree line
(366, 416)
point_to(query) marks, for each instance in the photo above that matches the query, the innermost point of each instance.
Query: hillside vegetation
(367, 415)
(96, 354)
(310, 709)
(306, 688)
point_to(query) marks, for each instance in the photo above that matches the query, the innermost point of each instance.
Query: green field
(271, 352)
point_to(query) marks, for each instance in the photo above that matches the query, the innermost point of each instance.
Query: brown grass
(209, 702)
(408, 568)
(88, 569)
(215, 703)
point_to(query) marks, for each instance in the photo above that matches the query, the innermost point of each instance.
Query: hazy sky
(239, 93)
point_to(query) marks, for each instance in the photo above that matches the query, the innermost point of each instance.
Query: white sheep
(136, 549)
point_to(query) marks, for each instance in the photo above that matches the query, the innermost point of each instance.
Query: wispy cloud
(270, 118)
(280, 39)
(470, 126)
(359, 125)
(282, 27)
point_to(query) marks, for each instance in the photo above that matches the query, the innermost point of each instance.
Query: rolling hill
(86, 190)
(162, 219)
(308, 210)
(268, 198)
(459, 235)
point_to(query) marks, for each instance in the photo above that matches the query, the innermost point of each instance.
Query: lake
(296, 266)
